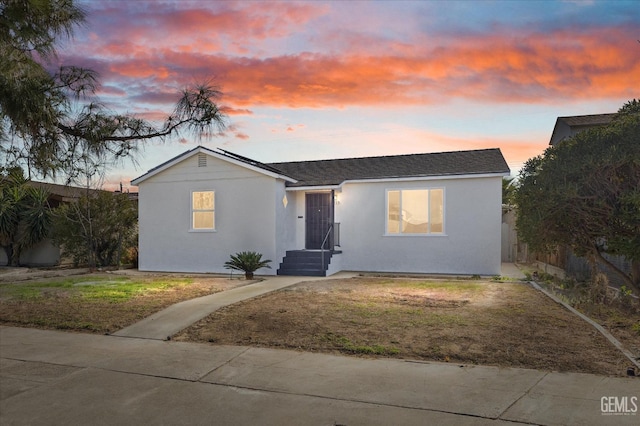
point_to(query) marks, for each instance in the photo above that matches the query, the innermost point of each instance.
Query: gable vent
(202, 160)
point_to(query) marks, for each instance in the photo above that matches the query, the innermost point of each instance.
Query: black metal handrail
(322, 246)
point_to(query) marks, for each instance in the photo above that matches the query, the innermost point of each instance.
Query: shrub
(248, 262)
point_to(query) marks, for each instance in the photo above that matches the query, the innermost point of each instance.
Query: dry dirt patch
(490, 323)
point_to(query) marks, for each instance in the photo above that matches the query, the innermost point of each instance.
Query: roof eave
(339, 186)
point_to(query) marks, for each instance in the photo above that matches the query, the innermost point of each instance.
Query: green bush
(248, 262)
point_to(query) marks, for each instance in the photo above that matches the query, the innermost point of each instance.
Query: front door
(319, 219)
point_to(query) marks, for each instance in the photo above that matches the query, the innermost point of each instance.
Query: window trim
(192, 211)
(424, 234)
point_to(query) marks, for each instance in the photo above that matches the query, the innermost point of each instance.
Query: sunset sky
(318, 80)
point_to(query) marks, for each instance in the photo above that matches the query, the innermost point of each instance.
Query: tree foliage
(25, 216)
(508, 190)
(585, 193)
(51, 121)
(97, 229)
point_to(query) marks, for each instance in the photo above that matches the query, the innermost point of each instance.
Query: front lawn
(470, 322)
(97, 303)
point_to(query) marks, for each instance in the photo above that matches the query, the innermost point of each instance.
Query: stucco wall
(470, 244)
(245, 217)
(45, 253)
(250, 215)
(285, 223)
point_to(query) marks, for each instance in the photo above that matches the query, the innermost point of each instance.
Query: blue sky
(317, 80)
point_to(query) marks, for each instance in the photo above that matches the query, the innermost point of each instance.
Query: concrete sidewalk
(164, 324)
(52, 377)
(512, 271)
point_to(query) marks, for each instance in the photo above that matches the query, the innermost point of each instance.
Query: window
(415, 211)
(202, 210)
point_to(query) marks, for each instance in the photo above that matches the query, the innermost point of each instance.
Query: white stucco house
(419, 213)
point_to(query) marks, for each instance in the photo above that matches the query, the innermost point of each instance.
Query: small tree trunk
(248, 275)
(628, 281)
(635, 272)
(14, 255)
(119, 250)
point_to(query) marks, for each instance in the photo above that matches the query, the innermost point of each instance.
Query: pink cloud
(233, 27)
(150, 67)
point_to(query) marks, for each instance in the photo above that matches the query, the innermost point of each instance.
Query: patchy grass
(97, 303)
(472, 322)
(617, 311)
(344, 344)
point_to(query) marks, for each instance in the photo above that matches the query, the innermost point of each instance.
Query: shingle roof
(588, 120)
(334, 172)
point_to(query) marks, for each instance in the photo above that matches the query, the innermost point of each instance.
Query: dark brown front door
(319, 218)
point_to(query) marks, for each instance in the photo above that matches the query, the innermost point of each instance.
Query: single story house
(419, 213)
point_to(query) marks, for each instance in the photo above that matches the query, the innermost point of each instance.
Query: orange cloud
(535, 69)
(227, 110)
(492, 69)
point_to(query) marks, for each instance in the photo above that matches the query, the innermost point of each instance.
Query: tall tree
(51, 122)
(585, 193)
(25, 216)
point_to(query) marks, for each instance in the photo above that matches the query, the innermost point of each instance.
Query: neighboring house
(45, 253)
(562, 260)
(420, 213)
(563, 257)
(567, 127)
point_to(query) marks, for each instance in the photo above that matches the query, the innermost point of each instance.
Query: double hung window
(203, 210)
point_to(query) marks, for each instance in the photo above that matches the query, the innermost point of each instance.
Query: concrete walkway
(512, 271)
(164, 324)
(53, 378)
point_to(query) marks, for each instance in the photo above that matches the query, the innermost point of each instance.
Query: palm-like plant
(248, 262)
(25, 216)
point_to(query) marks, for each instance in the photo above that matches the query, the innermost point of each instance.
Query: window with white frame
(203, 210)
(415, 211)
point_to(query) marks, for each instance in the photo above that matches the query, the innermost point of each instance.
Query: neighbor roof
(335, 172)
(588, 120)
(61, 192)
(577, 123)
